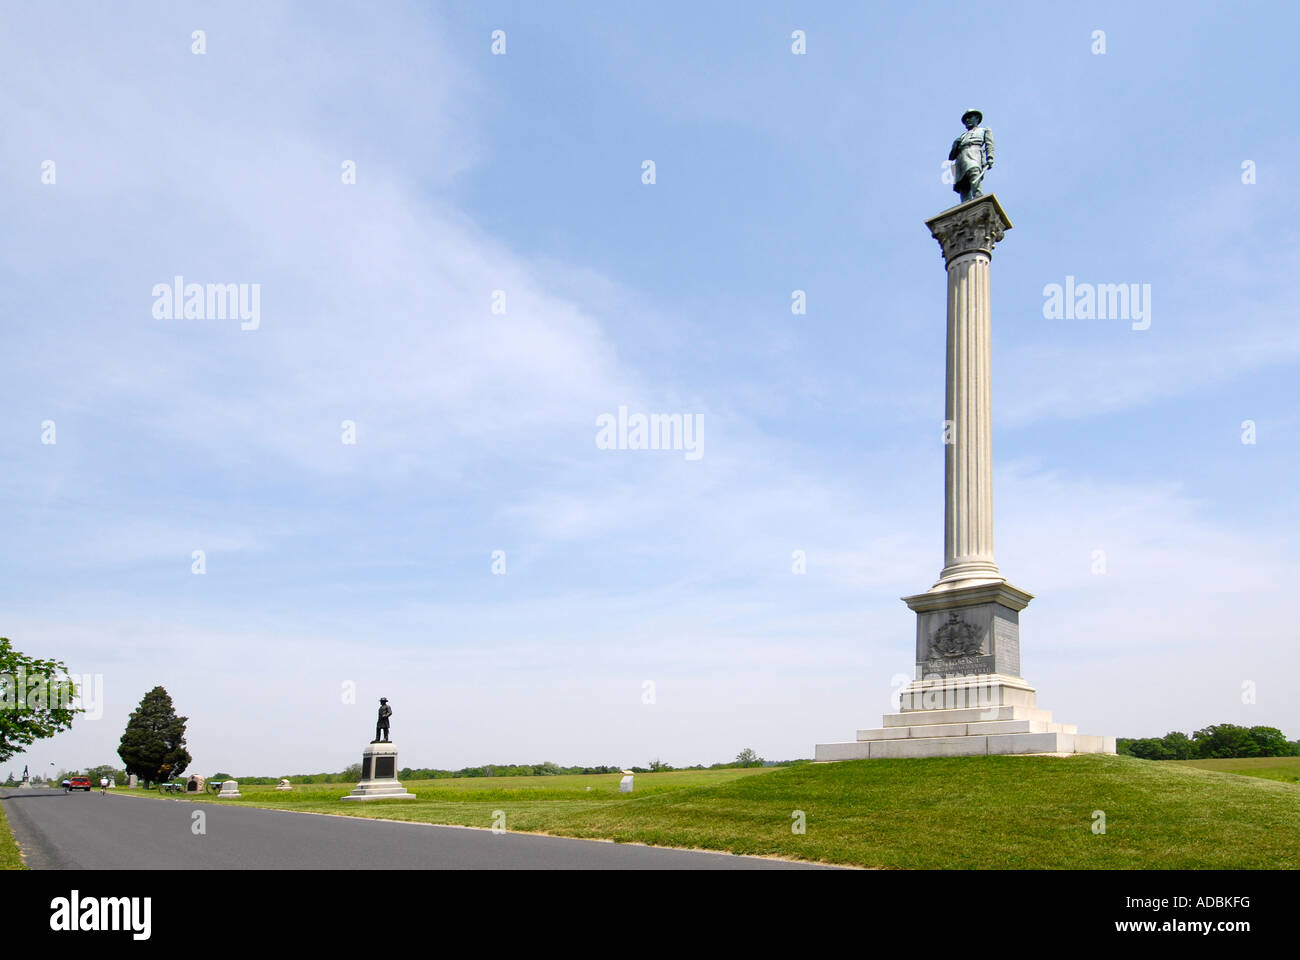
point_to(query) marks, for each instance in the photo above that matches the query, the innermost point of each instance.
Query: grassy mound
(960, 812)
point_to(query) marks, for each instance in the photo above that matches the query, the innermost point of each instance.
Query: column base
(970, 573)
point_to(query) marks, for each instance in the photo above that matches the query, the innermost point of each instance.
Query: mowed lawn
(946, 813)
(9, 857)
(1286, 769)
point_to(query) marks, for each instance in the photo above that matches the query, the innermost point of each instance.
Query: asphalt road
(87, 831)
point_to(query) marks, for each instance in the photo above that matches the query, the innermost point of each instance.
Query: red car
(79, 783)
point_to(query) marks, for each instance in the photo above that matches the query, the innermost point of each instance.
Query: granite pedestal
(379, 775)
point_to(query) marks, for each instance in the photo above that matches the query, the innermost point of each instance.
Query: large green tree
(153, 745)
(1271, 742)
(36, 698)
(1225, 740)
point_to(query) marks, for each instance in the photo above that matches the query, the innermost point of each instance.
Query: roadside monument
(968, 697)
(379, 765)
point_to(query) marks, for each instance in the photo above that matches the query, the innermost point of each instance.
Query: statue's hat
(383, 699)
(979, 117)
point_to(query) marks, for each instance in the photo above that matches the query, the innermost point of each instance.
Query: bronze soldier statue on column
(972, 156)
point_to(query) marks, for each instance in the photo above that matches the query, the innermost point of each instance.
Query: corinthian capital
(971, 227)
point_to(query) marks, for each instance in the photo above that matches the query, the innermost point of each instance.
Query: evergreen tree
(153, 745)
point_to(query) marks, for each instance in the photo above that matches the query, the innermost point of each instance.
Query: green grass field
(9, 857)
(961, 812)
(1286, 769)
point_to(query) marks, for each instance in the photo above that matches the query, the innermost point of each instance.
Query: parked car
(79, 783)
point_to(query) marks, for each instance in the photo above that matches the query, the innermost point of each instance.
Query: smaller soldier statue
(972, 156)
(385, 711)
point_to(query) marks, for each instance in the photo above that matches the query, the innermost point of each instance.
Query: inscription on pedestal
(956, 667)
(365, 768)
(1006, 644)
(384, 769)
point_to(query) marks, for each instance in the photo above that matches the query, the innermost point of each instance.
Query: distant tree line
(105, 770)
(747, 758)
(1220, 740)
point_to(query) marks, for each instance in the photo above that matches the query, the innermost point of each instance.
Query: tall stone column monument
(968, 697)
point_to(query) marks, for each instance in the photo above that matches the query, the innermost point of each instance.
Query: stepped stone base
(967, 717)
(379, 790)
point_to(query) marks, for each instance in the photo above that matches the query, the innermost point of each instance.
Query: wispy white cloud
(334, 564)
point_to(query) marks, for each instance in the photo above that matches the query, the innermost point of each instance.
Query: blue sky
(370, 564)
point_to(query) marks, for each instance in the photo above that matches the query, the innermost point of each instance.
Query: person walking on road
(103, 786)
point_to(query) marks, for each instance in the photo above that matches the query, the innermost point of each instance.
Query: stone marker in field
(968, 697)
(229, 790)
(283, 785)
(379, 765)
(132, 781)
(625, 785)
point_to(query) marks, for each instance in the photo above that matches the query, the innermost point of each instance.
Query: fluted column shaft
(968, 451)
(967, 234)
